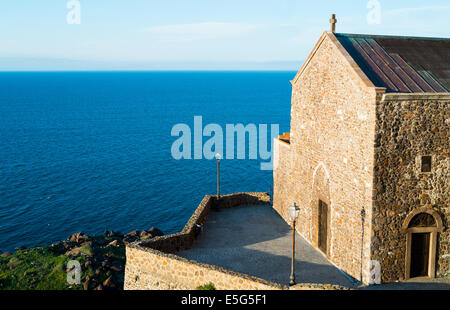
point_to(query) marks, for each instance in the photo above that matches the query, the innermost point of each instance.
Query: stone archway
(421, 228)
(321, 210)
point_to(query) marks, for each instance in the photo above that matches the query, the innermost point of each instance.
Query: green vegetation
(207, 287)
(44, 268)
(37, 268)
(101, 258)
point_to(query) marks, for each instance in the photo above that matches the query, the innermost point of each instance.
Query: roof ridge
(356, 35)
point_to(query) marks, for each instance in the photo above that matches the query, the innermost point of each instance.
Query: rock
(73, 252)
(129, 239)
(155, 232)
(151, 233)
(105, 263)
(115, 268)
(86, 283)
(73, 238)
(87, 243)
(114, 243)
(86, 250)
(108, 283)
(21, 248)
(6, 254)
(78, 237)
(115, 234)
(82, 237)
(134, 233)
(145, 234)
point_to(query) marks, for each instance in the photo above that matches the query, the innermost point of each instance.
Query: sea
(89, 151)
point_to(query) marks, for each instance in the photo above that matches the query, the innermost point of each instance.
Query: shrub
(207, 287)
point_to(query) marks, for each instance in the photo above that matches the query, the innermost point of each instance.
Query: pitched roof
(401, 64)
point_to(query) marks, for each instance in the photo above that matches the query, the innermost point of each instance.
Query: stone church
(367, 158)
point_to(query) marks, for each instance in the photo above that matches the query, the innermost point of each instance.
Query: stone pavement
(255, 240)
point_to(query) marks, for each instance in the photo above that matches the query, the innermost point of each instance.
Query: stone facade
(344, 150)
(409, 127)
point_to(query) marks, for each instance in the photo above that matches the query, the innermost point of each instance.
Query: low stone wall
(183, 241)
(151, 265)
(149, 269)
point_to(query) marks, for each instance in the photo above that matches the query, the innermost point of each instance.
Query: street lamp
(293, 213)
(218, 158)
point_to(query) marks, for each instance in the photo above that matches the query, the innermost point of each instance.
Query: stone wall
(408, 127)
(150, 265)
(184, 240)
(281, 176)
(331, 154)
(148, 269)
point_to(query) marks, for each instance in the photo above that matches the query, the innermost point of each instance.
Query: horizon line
(150, 70)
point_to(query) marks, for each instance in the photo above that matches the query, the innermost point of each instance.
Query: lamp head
(294, 212)
(218, 156)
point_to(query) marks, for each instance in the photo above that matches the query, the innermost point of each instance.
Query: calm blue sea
(92, 151)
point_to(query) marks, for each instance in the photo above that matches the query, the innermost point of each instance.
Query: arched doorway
(421, 227)
(321, 210)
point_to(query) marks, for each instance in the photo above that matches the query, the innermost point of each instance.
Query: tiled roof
(402, 64)
(286, 137)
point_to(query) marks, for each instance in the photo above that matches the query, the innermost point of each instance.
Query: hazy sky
(194, 34)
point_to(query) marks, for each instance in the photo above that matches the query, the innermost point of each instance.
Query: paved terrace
(255, 240)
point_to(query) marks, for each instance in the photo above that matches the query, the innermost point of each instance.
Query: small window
(426, 163)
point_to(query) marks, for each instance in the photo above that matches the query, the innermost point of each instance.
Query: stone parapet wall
(243, 199)
(151, 266)
(184, 240)
(148, 269)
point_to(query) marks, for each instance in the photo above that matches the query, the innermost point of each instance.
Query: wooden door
(323, 226)
(420, 254)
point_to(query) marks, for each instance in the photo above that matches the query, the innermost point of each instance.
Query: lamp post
(218, 158)
(363, 217)
(293, 213)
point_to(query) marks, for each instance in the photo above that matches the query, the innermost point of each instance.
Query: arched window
(422, 220)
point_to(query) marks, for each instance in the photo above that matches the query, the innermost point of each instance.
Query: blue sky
(194, 34)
